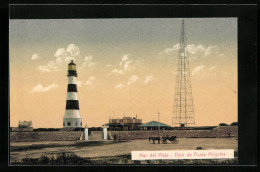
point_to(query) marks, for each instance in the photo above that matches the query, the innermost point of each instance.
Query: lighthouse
(72, 118)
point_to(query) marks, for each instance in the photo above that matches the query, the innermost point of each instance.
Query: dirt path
(122, 148)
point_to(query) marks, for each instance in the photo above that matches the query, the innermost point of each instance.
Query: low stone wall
(21, 129)
(221, 131)
(46, 136)
(36, 136)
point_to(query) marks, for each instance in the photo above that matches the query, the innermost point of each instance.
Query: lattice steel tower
(183, 111)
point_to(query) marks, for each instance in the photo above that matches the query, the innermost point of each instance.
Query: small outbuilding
(154, 125)
(125, 123)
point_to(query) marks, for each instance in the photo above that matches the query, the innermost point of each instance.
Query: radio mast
(183, 111)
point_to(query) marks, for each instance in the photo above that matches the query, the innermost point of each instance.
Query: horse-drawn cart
(172, 139)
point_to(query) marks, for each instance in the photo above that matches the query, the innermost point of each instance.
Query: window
(63, 123)
(68, 123)
(76, 124)
(80, 123)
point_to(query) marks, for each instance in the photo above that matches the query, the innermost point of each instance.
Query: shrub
(222, 124)
(78, 129)
(60, 159)
(199, 148)
(44, 160)
(28, 161)
(137, 162)
(234, 124)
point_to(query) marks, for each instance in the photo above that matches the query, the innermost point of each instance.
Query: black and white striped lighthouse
(72, 118)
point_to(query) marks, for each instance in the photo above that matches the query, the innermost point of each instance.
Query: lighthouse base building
(72, 118)
(70, 121)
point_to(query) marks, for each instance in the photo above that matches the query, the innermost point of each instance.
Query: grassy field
(55, 145)
(111, 152)
(73, 159)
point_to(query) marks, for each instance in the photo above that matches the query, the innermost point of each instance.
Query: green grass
(76, 144)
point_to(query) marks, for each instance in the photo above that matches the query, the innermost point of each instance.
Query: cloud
(63, 56)
(40, 88)
(174, 48)
(118, 71)
(68, 59)
(90, 81)
(148, 78)
(139, 62)
(44, 68)
(73, 50)
(125, 57)
(127, 64)
(120, 86)
(132, 80)
(66, 54)
(198, 69)
(51, 65)
(35, 56)
(195, 49)
(88, 61)
(211, 50)
(211, 71)
(79, 83)
(88, 58)
(60, 52)
(204, 71)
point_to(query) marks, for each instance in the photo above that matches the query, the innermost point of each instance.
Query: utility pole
(158, 124)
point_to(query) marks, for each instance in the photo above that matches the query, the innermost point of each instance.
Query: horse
(173, 139)
(155, 138)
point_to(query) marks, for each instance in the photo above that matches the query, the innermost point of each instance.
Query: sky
(125, 66)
